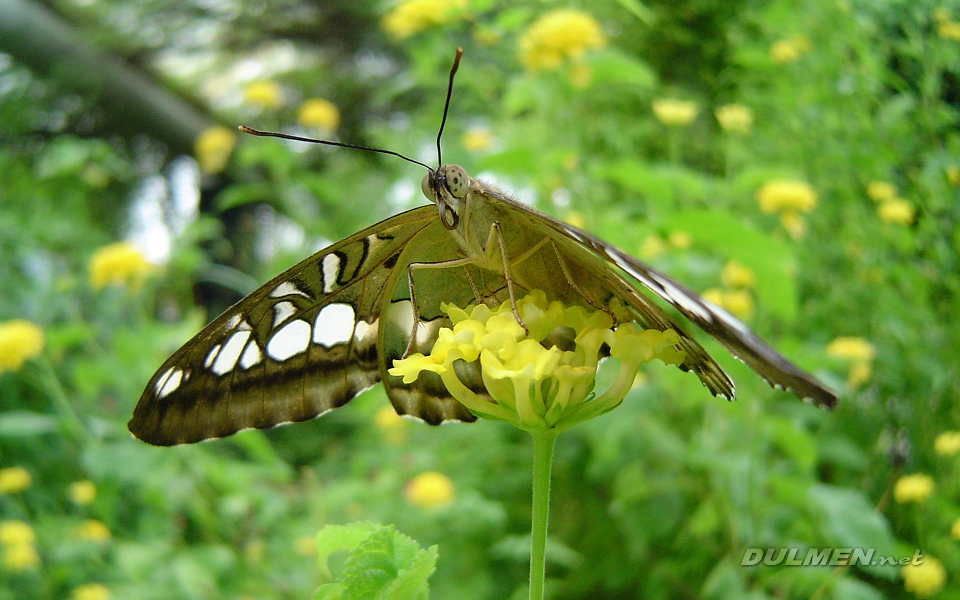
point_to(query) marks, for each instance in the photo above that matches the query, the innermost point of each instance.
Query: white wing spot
(169, 382)
(334, 325)
(232, 322)
(227, 358)
(211, 356)
(282, 311)
(330, 265)
(251, 355)
(290, 340)
(364, 330)
(287, 288)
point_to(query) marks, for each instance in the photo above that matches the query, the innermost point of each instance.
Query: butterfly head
(447, 187)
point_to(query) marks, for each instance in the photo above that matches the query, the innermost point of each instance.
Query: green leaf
(612, 67)
(24, 423)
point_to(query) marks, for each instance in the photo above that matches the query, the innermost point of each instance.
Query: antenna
(446, 104)
(297, 138)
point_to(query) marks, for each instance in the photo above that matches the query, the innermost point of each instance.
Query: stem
(543, 440)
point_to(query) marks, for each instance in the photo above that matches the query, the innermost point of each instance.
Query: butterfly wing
(580, 248)
(300, 345)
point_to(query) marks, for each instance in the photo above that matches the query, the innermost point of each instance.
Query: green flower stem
(69, 417)
(543, 440)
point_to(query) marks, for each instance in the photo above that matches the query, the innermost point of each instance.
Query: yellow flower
(120, 264)
(955, 530)
(924, 579)
(575, 218)
(391, 425)
(476, 139)
(413, 16)
(734, 118)
(91, 591)
(535, 387)
(896, 211)
(680, 239)
(16, 533)
(93, 530)
(429, 490)
(82, 492)
(851, 348)
(559, 36)
(788, 50)
(735, 275)
(263, 93)
(859, 374)
(949, 30)
(320, 114)
(20, 558)
(913, 488)
(674, 112)
(737, 302)
(651, 247)
(786, 196)
(953, 175)
(20, 341)
(881, 191)
(213, 148)
(14, 479)
(947, 443)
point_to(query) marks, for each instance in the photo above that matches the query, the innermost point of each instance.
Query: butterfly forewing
(302, 344)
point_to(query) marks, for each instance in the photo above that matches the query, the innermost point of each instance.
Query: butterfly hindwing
(300, 345)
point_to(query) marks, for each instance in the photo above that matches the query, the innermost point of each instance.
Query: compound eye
(457, 181)
(425, 187)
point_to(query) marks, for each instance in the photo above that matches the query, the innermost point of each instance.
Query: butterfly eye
(425, 187)
(457, 181)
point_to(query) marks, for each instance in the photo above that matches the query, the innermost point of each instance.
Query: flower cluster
(674, 113)
(20, 341)
(319, 114)
(859, 353)
(413, 16)
(263, 93)
(559, 36)
(213, 148)
(121, 264)
(429, 490)
(734, 118)
(925, 578)
(737, 280)
(18, 543)
(913, 488)
(788, 50)
(890, 206)
(14, 479)
(789, 198)
(535, 387)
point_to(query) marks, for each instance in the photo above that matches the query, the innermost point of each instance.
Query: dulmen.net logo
(823, 557)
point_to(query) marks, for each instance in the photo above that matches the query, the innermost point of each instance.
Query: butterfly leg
(446, 264)
(576, 288)
(497, 232)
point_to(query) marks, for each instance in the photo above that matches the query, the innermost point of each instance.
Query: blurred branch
(39, 39)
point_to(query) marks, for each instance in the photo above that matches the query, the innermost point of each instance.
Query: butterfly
(318, 334)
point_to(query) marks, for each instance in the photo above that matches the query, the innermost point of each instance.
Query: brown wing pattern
(302, 344)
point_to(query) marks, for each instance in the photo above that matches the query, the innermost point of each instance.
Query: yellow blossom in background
(794, 224)
(305, 545)
(20, 341)
(675, 113)
(16, 533)
(735, 275)
(213, 148)
(714, 295)
(652, 247)
(858, 374)
(14, 479)
(913, 488)
(924, 579)
(319, 114)
(120, 264)
(90, 591)
(949, 30)
(93, 530)
(788, 50)
(413, 16)
(881, 191)
(575, 218)
(786, 195)
(680, 240)
(896, 211)
(955, 530)
(429, 490)
(19, 558)
(82, 492)
(263, 93)
(852, 348)
(476, 139)
(739, 303)
(953, 175)
(559, 36)
(947, 443)
(393, 427)
(734, 118)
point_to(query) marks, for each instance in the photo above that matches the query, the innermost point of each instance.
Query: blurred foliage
(659, 499)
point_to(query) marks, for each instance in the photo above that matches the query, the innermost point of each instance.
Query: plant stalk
(543, 442)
